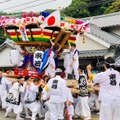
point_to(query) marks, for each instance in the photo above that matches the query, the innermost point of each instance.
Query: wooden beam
(65, 47)
(36, 43)
(31, 35)
(65, 38)
(17, 35)
(32, 43)
(59, 36)
(62, 38)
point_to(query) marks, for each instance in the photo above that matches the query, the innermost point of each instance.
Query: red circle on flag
(51, 21)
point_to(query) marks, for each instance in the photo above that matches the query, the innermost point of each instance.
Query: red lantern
(17, 20)
(72, 26)
(34, 15)
(28, 20)
(41, 19)
(30, 14)
(22, 21)
(23, 15)
(64, 25)
(12, 22)
(3, 22)
(34, 19)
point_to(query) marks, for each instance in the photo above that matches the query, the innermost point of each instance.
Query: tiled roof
(93, 53)
(9, 43)
(90, 53)
(110, 38)
(108, 20)
(2, 46)
(117, 61)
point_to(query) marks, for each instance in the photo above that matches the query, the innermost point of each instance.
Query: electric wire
(33, 6)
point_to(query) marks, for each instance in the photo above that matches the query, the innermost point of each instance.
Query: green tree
(97, 7)
(115, 7)
(2, 13)
(86, 8)
(76, 9)
(2, 37)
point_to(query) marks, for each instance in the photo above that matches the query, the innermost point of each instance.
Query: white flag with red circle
(52, 20)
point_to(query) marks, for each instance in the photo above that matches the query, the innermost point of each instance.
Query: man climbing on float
(48, 62)
(73, 61)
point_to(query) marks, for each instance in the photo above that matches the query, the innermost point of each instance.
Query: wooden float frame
(66, 37)
(36, 43)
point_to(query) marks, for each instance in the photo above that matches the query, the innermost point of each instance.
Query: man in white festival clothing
(109, 95)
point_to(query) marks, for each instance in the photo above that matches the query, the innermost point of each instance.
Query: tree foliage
(115, 7)
(76, 9)
(1, 35)
(86, 8)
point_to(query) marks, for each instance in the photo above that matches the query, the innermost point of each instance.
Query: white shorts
(16, 108)
(34, 107)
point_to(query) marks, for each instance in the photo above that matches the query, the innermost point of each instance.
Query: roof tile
(108, 20)
(106, 36)
(117, 61)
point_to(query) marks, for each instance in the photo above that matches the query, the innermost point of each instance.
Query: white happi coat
(74, 56)
(109, 85)
(67, 63)
(82, 108)
(23, 94)
(109, 94)
(45, 94)
(16, 89)
(4, 88)
(71, 57)
(30, 96)
(57, 89)
(49, 70)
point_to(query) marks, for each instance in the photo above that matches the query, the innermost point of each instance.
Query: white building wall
(5, 57)
(115, 30)
(89, 45)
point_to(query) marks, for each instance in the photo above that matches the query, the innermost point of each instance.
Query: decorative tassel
(83, 38)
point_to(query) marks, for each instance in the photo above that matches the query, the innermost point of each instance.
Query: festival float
(34, 34)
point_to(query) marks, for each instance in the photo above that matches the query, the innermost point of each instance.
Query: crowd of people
(46, 97)
(51, 98)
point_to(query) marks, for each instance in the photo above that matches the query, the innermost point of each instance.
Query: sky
(28, 5)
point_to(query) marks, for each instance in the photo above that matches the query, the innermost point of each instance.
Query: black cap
(27, 78)
(81, 68)
(20, 78)
(58, 71)
(109, 61)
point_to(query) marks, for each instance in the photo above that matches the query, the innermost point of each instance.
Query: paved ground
(12, 116)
